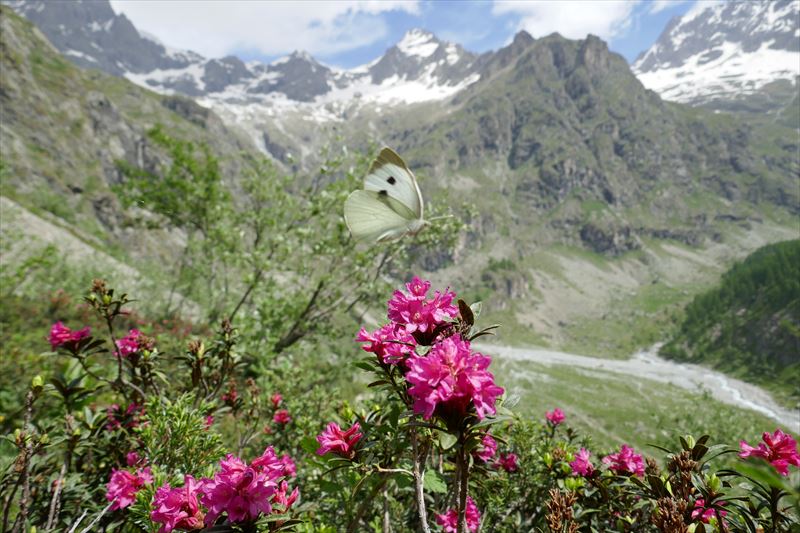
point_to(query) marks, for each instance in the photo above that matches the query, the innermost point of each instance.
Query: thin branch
(418, 483)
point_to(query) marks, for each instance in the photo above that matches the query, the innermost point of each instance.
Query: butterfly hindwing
(389, 173)
(372, 216)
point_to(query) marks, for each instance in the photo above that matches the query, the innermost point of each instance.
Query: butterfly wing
(374, 216)
(389, 173)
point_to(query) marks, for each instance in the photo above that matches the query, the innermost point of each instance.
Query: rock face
(724, 51)
(64, 131)
(92, 35)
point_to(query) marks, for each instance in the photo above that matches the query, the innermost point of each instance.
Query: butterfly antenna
(440, 217)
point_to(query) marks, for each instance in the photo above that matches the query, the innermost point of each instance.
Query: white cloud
(574, 19)
(657, 6)
(215, 28)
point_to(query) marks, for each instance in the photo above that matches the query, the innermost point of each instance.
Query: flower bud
(37, 384)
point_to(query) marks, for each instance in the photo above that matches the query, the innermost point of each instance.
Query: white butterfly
(390, 205)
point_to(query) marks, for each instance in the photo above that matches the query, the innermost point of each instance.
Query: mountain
(750, 323)
(65, 129)
(596, 207)
(726, 51)
(89, 33)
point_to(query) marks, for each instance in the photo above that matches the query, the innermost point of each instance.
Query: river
(646, 364)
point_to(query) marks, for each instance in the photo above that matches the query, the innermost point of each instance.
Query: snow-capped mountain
(724, 51)
(420, 67)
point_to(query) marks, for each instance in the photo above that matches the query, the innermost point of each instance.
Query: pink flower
(269, 462)
(209, 421)
(450, 376)
(415, 313)
(241, 491)
(449, 520)
(281, 417)
(625, 461)
(706, 513)
(132, 458)
(123, 486)
(342, 443)
(61, 335)
(282, 503)
(111, 416)
(276, 399)
(289, 467)
(508, 462)
(582, 466)
(391, 343)
(778, 448)
(487, 449)
(178, 508)
(128, 344)
(555, 417)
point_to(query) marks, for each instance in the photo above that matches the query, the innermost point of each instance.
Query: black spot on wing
(383, 193)
(391, 180)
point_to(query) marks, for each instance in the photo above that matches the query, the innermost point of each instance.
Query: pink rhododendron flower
(706, 513)
(415, 313)
(508, 462)
(132, 458)
(391, 343)
(778, 448)
(209, 421)
(111, 416)
(123, 486)
(269, 463)
(281, 417)
(449, 520)
(61, 335)
(451, 376)
(555, 417)
(276, 399)
(282, 503)
(289, 467)
(241, 491)
(178, 508)
(625, 461)
(342, 443)
(487, 449)
(128, 344)
(582, 466)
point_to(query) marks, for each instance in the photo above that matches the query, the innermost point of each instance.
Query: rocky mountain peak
(724, 49)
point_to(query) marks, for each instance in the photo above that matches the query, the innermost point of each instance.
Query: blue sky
(348, 33)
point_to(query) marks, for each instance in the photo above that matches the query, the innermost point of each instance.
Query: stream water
(646, 364)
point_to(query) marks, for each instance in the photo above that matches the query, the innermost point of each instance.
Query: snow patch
(418, 43)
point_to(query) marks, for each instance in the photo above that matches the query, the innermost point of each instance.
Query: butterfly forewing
(371, 216)
(389, 173)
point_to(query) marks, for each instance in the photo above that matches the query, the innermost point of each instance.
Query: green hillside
(749, 325)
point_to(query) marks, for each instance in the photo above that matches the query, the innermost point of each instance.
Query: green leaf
(433, 482)
(447, 440)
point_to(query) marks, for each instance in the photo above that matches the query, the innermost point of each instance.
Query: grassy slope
(749, 325)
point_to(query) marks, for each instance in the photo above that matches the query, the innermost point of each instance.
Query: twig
(97, 518)
(418, 483)
(76, 524)
(27, 451)
(56, 500)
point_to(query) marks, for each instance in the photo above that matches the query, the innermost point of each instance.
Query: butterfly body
(389, 206)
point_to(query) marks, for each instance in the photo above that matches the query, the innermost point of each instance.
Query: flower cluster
(449, 520)
(582, 466)
(415, 313)
(61, 335)
(240, 491)
(121, 489)
(129, 419)
(625, 461)
(129, 344)
(243, 491)
(342, 443)
(178, 508)
(705, 514)
(392, 344)
(487, 450)
(778, 448)
(451, 377)
(508, 462)
(554, 417)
